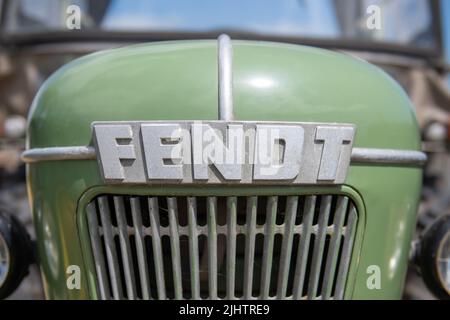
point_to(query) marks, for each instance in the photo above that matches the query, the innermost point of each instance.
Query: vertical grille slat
(99, 259)
(286, 249)
(155, 227)
(212, 246)
(319, 244)
(272, 203)
(346, 253)
(111, 254)
(140, 247)
(175, 246)
(193, 247)
(222, 247)
(252, 203)
(231, 245)
(125, 247)
(303, 248)
(338, 223)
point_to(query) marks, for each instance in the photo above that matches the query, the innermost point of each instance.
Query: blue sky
(274, 16)
(315, 18)
(446, 25)
(446, 29)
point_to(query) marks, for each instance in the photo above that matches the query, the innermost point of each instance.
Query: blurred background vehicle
(38, 37)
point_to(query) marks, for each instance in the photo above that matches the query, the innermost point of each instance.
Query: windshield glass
(400, 22)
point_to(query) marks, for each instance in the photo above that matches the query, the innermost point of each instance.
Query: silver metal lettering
(111, 152)
(278, 152)
(209, 148)
(334, 153)
(159, 142)
(216, 152)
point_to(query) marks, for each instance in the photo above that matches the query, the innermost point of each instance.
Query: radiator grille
(258, 247)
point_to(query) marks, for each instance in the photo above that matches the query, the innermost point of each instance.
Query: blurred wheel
(15, 254)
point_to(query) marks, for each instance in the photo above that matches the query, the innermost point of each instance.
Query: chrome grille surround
(255, 247)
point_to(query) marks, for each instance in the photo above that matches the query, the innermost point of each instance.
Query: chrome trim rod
(388, 156)
(225, 57)
(359, 155)
(59, 153)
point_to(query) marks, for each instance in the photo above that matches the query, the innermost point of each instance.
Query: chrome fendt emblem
(223, 152)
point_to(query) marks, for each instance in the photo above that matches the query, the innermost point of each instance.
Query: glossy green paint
(178, 81)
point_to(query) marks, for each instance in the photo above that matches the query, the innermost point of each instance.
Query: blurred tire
(20, 252)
